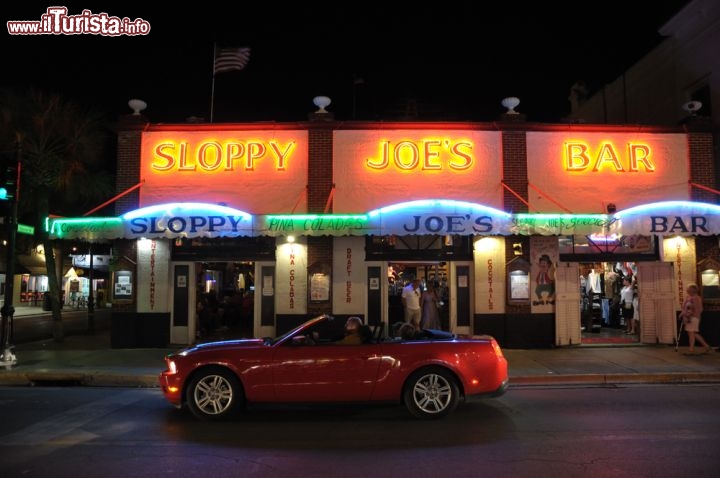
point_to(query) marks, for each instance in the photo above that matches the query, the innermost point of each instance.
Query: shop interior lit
(601, 287)
(226, 294)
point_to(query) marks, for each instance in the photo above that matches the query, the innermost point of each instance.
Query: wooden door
(658, 323)
(567, 304)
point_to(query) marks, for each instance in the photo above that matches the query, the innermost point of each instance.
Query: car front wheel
(431, 393)
(214, 394)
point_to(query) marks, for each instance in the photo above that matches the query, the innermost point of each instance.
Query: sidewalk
(88, 359)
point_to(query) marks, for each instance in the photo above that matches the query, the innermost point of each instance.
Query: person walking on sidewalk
(691, 312)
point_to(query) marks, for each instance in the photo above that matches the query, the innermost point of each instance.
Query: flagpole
(212, 89)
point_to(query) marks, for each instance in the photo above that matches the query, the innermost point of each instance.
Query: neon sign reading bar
(579, 157)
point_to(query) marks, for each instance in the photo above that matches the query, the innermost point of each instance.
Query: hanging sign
(422, 217)
(669, 218)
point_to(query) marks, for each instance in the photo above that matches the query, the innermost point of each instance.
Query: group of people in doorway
(422, 307)
(234, 311)
(610, 298)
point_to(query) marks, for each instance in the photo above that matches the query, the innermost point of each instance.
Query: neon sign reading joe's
(426, 154)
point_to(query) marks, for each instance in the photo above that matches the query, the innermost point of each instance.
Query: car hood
(220, 345)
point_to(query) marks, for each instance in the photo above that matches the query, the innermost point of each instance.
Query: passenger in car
(407, 331)
(353, 332)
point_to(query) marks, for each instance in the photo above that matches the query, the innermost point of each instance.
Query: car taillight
(496, 348)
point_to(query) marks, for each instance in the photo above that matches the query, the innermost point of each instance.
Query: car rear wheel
(431, 393)
(214, 394)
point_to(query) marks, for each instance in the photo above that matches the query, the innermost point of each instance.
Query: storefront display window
(709, 270)
(710, 284)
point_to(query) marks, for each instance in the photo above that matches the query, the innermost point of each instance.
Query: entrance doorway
(606, 310)
(434, 274)
(225, 299)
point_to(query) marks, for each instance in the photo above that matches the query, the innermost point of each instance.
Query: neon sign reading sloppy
(216, 156)
(579, 157)
(426, 155)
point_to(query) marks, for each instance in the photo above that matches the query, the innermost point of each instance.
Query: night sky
(376, 60)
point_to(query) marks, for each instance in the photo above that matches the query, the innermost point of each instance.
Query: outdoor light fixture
(322, 102)
(511, 103)
(137, 106)
(517, 249)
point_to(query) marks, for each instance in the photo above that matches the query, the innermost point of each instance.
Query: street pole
(91, 293)
(8, 358)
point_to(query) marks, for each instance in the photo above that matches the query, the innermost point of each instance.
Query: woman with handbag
(691, 312)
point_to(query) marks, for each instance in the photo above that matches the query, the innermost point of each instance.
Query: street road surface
(638, 431)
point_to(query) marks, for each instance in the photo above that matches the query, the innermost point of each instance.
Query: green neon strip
(308, 217)
(82, 220)
(526, 216)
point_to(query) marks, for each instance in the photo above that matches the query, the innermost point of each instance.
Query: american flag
(231, 59)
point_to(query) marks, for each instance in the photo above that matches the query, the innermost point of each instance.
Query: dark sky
(456, 60)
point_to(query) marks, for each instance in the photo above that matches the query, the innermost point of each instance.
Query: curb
(105, 379)
(109, 379)
(616, 379)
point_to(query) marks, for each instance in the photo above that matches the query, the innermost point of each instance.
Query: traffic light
(9, 177)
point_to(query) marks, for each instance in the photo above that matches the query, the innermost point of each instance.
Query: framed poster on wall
(518, 281)
(122, 286)
(319, 287)
(519, 285)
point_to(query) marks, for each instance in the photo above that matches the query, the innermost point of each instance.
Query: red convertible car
(430, 373)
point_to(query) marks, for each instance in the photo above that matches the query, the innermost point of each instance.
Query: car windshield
(305, 325)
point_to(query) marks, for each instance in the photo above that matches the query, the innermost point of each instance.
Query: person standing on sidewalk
(635, 328)
(626, 300)
(691, 312)
(430, 318)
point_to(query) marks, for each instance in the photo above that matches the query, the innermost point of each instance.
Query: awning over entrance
(433, 216)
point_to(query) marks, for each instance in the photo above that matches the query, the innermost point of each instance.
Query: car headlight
(172, 366)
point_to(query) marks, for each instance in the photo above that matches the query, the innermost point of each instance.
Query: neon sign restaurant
(526, 231)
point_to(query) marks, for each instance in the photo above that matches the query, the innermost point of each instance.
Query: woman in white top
(635, 329)
(626, 303)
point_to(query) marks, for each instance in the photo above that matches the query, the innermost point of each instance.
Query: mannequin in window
(593, 283)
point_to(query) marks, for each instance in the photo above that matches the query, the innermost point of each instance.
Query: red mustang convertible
(430, 373)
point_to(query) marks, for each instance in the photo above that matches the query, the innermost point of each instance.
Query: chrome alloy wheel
(433, 393)
(213, 394)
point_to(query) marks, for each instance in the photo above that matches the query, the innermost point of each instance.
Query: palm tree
(61, 155)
